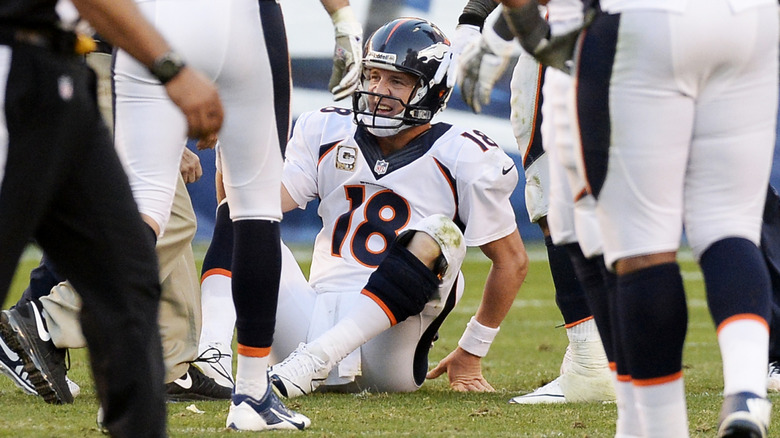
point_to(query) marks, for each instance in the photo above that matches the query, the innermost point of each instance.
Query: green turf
(526, 353)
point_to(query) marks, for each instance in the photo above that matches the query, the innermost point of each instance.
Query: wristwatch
(167, 66)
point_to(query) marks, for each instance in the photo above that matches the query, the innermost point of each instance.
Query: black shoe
(24, 329)
(744, 415)
(12, 365)
(194, 385)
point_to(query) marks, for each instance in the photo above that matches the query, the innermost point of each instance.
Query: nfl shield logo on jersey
(346, 157)
(380, 167)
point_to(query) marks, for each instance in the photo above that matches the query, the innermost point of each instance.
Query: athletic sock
(628, 423)
(257, 265)
(219, 314)
(743, 347)
(739, 297)
(569, 295)
(598, 288)
(252, 376)
(662, 409)
(652, 317)
(361, 324)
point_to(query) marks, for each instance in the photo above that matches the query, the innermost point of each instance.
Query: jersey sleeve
(485, 181)
(300, 163)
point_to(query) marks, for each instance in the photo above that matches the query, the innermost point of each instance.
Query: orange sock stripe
(658, 380)
(623, 378)
(382, 305)
(743, 317)
(612, 366)
(216, 271)
(253, 351)
(570, 325)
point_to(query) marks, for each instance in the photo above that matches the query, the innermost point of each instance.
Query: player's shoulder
(328, 114)
(327, 121)
(471, 155)
(468, 144)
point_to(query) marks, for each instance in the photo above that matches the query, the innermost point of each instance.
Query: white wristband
(477, 338)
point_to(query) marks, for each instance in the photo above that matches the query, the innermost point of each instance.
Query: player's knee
(442, 234)
(411, 273)
(425, 249)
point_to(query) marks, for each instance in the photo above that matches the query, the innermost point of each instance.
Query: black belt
(55, 40)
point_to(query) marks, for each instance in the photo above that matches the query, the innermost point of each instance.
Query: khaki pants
(180, 311)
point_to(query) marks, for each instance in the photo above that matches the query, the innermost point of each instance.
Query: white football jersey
(366, 199)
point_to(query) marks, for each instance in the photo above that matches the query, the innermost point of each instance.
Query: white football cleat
(549, 393)
(216, 361)
(585, 377)
(268, 413)
(299, 374)
(744, 415)
(773, 378)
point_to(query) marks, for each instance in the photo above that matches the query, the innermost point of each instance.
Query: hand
(465, 34)
(556, 51)
(347, 55)
(198, 99)
(481, 65)
(190, 167)
(464, 371)
(208, 142)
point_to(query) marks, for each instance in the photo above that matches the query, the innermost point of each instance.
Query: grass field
(526, 354)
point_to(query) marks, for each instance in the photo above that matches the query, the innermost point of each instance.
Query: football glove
(556, 51)
(481, 64)
(465, 34)
(347, 55)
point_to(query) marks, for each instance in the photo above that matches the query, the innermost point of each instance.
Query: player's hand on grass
(198, 99)
(464, 371)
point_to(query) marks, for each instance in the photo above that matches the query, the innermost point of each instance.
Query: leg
(770, 247)
(180, 314)
(219, 314)
(401, 287)
(88, 223)
(253, 139)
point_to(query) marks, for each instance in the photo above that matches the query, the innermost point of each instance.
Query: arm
(334, 5)
(122, 24)
(510, 266)
(348, 52)
(287, 201)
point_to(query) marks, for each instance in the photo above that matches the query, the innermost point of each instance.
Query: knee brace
(451, 243)
(402, 284)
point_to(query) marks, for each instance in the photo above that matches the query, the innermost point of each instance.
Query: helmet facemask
(382, 125)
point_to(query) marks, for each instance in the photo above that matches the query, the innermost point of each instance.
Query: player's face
(389, 83)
